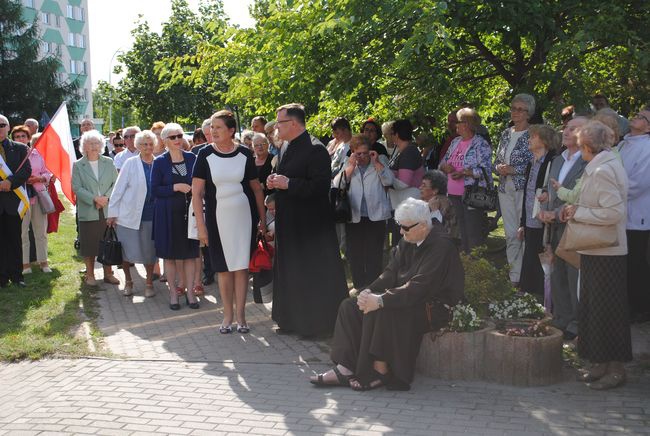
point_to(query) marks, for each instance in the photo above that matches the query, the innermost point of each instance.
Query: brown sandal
(343, 380)
(198, 290)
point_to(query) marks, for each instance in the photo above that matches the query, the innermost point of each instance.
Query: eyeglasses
(174, 137)
(128, 136)
(3, 125)
(643, 117)
(283, 121)
(407, 228)
(518, 109)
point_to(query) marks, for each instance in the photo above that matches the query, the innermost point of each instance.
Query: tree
(123, 112)
(153, 87)
(29, 85)
(410, 58)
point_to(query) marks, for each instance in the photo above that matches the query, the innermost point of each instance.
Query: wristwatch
(380, 301)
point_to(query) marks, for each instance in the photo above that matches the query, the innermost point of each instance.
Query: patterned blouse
(519, 158)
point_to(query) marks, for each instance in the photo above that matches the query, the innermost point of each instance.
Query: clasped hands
(277, 181)
(5, 186)
(367, 301)
(101, 201)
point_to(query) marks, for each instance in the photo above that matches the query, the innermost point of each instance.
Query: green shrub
(484, 282)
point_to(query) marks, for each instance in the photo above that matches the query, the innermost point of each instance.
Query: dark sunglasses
(407, 228)
(3, 125)
(173, 137)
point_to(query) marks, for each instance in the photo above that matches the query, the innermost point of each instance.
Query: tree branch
(492, 59)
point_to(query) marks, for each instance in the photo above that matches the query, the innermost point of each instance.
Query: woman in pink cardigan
(37, 182)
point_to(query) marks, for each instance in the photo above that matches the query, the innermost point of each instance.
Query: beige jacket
(603, 200)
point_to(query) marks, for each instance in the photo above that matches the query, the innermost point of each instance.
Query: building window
(71, 39)
(45, 17)
(79, 13)
(70, 11)
(83, 65)
(57, 21)
(73, 67)
(80, 41)
(29, 3)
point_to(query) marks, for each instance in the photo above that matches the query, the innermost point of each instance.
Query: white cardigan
(129, 193)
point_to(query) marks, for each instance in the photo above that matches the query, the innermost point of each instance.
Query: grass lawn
(40, 320)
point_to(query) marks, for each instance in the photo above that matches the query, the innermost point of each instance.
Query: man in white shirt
(129, 142)
(635, 154)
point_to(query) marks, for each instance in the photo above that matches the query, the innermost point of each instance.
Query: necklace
(219, 149)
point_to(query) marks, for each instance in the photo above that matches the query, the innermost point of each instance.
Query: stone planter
(523, 361)
(453, 356)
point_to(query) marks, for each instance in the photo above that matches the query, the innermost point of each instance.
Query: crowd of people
(202, 205)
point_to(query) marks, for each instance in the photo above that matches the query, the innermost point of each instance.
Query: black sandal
(343, 380)
(378, 380)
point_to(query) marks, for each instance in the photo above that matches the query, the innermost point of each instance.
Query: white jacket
(603, 200)
(129, 193)
(372, 187)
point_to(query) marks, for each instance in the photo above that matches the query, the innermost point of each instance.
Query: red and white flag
(55, 145)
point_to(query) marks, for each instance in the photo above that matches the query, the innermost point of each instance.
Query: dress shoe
(46, 269)
(27, 270)
(149, 291)
(90, 281)
(20, 284)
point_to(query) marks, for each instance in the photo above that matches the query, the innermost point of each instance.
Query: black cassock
(431, 272)
(309, 282)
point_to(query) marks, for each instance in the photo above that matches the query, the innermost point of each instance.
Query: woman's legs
(90, 267)
(39, 226)
(25, 236)
(170, 271)
(241, 289)
(189, 267)
(180, 276)
(226, 290)
(126, 268)
(150, 270)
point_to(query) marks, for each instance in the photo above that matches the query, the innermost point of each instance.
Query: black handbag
(110, 248)
(341, 203)
(479, 197)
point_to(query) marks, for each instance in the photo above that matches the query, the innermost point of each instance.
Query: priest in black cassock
(308, 278)
(378, 334)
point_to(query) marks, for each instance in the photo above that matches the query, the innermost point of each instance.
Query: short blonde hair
(469, 116)
(596, 136)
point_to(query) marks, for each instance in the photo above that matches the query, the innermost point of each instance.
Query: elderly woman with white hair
(131, 210)
(604, 336)
(513, 156)
(377, 335)
(171, 178)
(93, 178)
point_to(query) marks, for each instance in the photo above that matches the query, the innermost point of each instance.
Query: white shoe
(27, 270)
(46, 269)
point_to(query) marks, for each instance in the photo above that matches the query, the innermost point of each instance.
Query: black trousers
(365, 250)
(638, 272)
(11, 253)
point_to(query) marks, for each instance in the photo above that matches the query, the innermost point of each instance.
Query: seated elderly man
(377, 334)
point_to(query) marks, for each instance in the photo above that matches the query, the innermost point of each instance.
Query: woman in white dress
(226, 177)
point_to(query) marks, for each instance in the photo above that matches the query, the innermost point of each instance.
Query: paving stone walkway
(173, 373)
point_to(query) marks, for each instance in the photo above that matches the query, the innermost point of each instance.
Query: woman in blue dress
(225, 176)
(171, 178)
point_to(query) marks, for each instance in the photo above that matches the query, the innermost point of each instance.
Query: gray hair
(528, 100)
(269, 125)
(247, 134)
(206, 123)
(89, 137)
(3, 118)
(438, 180)
(170, 128)
(260, 137)
(414, 211)
(126, 130)
(596, 136)
(140, 137)
(29, 121)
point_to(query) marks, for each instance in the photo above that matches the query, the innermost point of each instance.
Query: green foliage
(395, 58)
(122, 113)
(484, 282)
(163, 80)
(29, 85)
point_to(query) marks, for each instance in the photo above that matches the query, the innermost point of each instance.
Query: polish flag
(55, 145)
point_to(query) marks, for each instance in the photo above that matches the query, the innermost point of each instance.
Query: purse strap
(110, 233)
